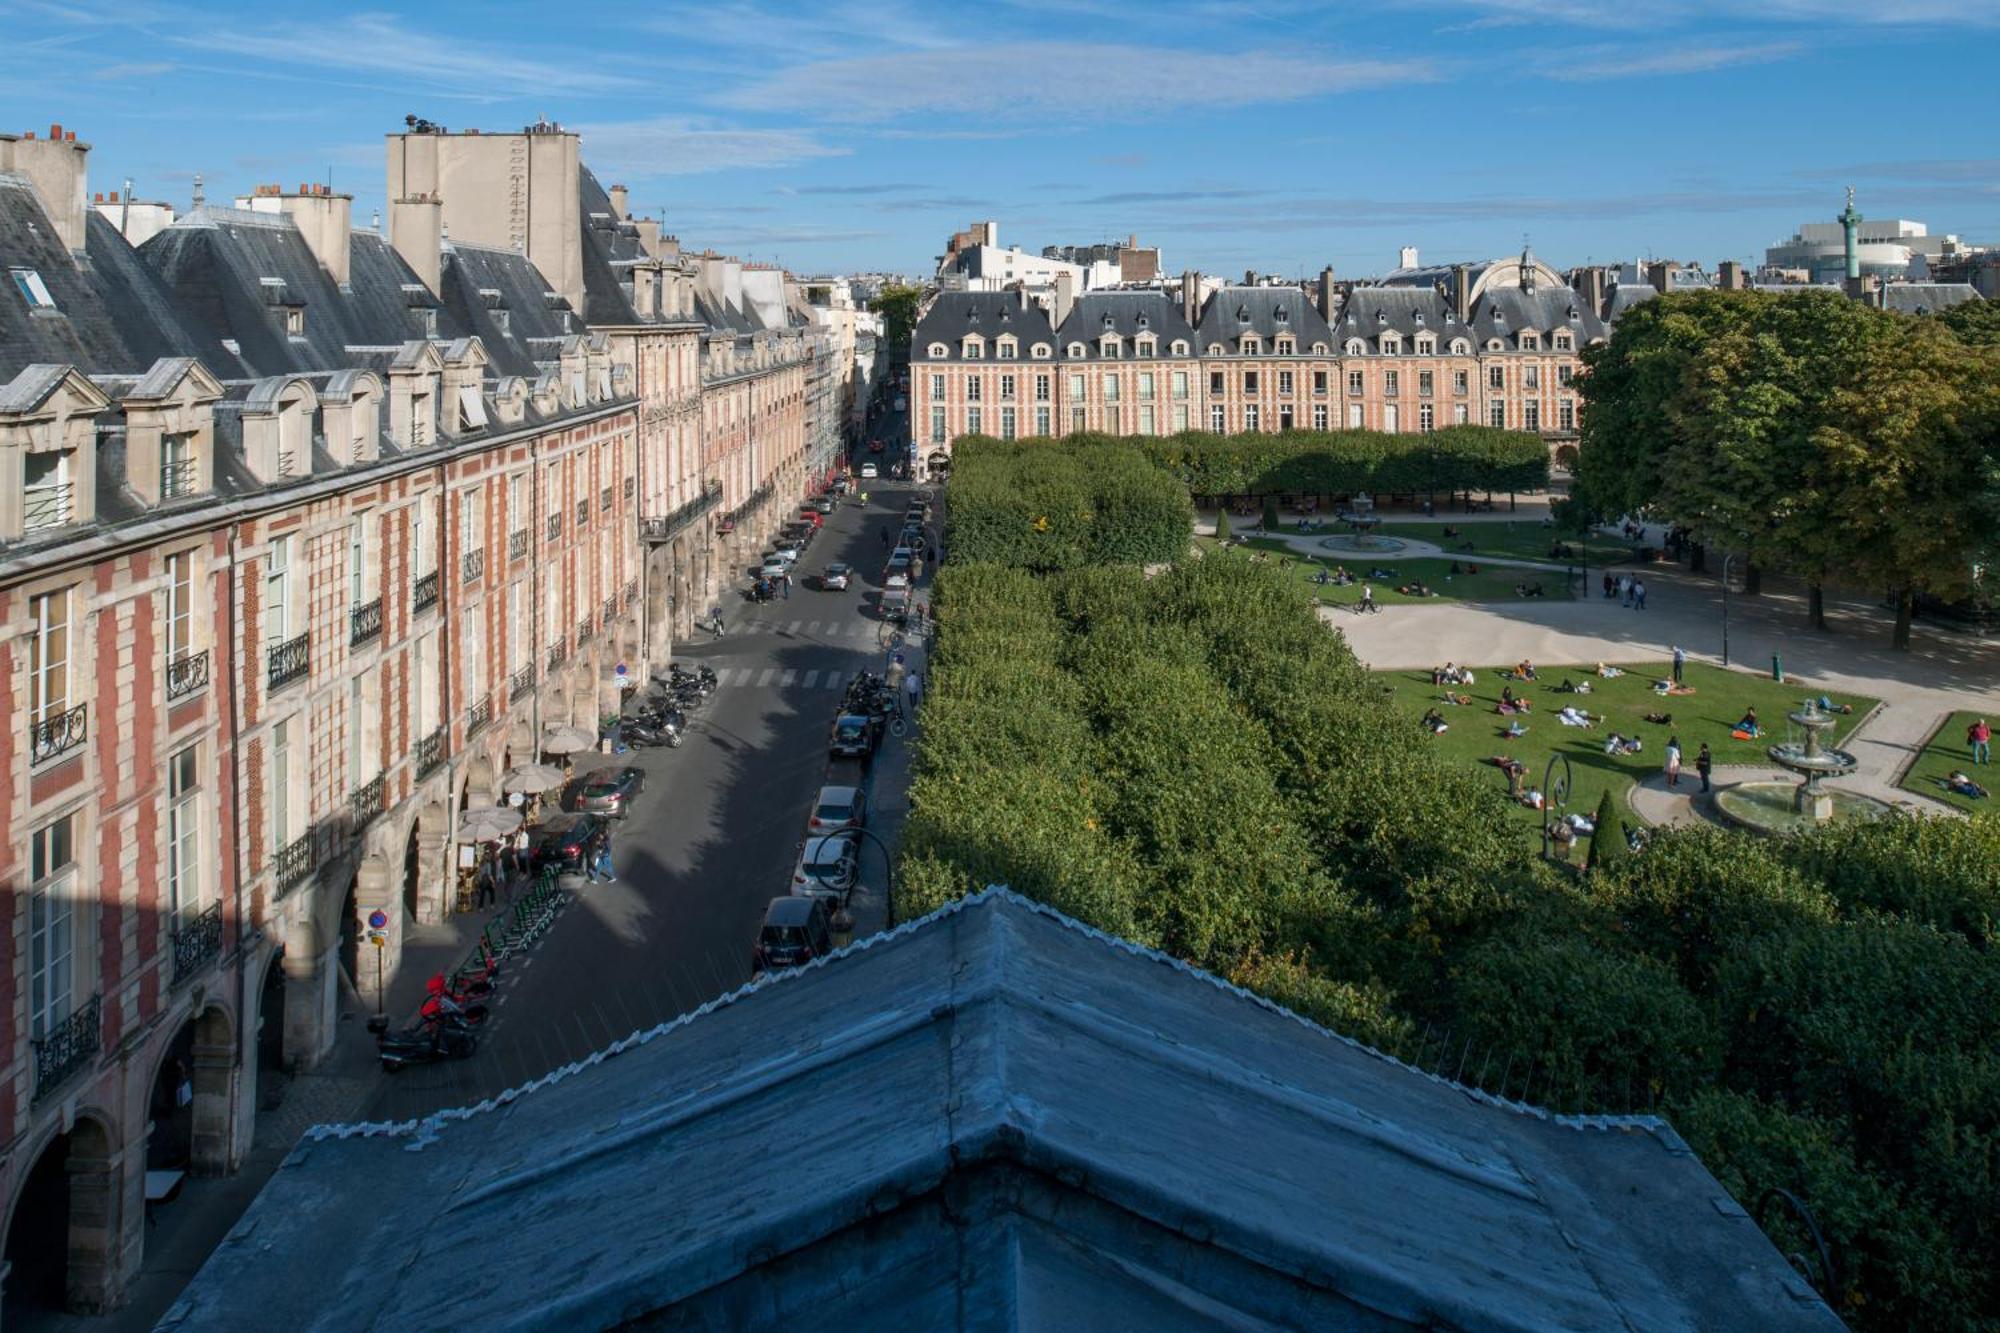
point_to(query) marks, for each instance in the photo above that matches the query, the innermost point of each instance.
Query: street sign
(379, 939)
(378, 919)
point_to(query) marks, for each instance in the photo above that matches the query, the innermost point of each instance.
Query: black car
(566, 842)
(608, 791)
(795, 931)
(854, 736)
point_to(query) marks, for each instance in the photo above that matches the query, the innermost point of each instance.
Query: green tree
(1270, 513)
(897, 304)
(1607, 838)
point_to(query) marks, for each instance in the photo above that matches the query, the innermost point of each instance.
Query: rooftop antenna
(199, 198)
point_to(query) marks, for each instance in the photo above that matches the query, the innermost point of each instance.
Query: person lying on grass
(1451, 698)
(1435, 724)
(1528, 590)
(1579, 687)
(1616, 744)
(1572, 716)
(1963, 785)
(1827, 705)
(1514, 730)
(1660, 719)
(1512, 703)
(1609, 672)
(1417, 589)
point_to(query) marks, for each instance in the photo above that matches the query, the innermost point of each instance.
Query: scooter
(643, 735)
(425, 1044)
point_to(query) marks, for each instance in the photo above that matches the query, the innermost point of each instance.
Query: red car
(874, 446)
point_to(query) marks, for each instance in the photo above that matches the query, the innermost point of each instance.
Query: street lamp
(1728, 567)
(888, 871)
(1555, 795)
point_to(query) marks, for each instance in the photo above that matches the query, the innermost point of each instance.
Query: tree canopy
(897, 304)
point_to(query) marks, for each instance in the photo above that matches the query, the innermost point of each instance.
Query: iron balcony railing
(665, 528)
(58, 733)
(289, 661)
(631, 591)
(631, 485)
(425, 594)
(478, 715)
(430, 752)
(606, 498)
(176, 478)
(293, 865)
(756, 501)
(583, 512)
(47, 506)
(472, 565)
(558, 654)
(366, 802)
(523, 684)
(197, 943)
(69, 1047)
(186, 674)
(518, 542)
(610, 609)
(364, 622)
(555, 526)
(584, 629)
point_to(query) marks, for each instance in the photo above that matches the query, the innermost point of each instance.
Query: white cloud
(675, 146)
(1106, 81)
(1590, 63)
(1657, 13)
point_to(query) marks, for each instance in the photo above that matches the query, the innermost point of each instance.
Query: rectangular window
(176, 466)
(282, 817)
(51, 927)
(1319, 382)
(1180, 416)
(1391, 418)
(1354, 384)
(1006, 351)
(937, 425)
(180, 605)
(277, 591)
(1146, 386)
(1006, 423)
(937, 386)
(1426, 418)
(1564, 374)
(1180, 385)
(33, 290)
(1531, 376)
(1041, 421)
(1218, 418)
(1284, 418)
(1006, 388)
(974, 388)
(48, 495)
(1041, 388)
(1076, 388)
(1391, 383)
(1148, 423)
(1111, 423)
(1426, 383)
(48, 656)
(1250, 381)
(1285, 382)
(1496, 377)
(1077, 419)
(184, 893)
(1250, 417)
(1566, 413)
(357, 564)
(1496, 412)
(1458, 414)
(1531, 415)
(972, 421)
(1215, 383)
(1461, 382)
(1354, 416)
(1319, 416)
(517, 502)
(1110, 388)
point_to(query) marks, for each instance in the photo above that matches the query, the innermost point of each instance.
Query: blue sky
(1273, 134)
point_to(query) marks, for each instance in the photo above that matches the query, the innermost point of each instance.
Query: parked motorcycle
(645, 734)
(425, 1044)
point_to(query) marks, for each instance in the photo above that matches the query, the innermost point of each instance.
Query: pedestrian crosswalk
(774, 678)
(818, 629)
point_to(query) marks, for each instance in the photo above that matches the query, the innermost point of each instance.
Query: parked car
(609, 791)
(823, 504)
(868, 471)
(773, 568)
(795, 931)
(854, 737)
(566, 842)
(836, 578)
(827, 868)
(811, 515)
(841, 486)
(789, 549)
(899, 561)
(783, 554)
(838, 808)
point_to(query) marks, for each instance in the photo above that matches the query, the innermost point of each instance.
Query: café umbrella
(567, 740)
(488, 824)
(533, 779)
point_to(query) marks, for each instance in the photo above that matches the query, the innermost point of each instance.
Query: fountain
(1774, 806)
(1362, 523)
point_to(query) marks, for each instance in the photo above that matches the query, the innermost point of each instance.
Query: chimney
(416, 231)
(1591, 287)
(1730, 277)
(1132, 241)
(1065, 297)
(1191, 297)
(1461, 293)
(1406, 257)
(1328, 298)
(325, 220)
(1659, 275)
(649, 236)
(618, 194)
(55, 167)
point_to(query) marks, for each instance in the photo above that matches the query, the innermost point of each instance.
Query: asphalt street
(712, 838)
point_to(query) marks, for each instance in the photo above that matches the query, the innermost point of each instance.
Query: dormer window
(1355, 347)
(33, 290)
(974, 349)
(940, 350)
(48, 495)
(1562, 342)
(1420, 316)
(429, 318)
(1180, 347)
(1243, 314)
(1004, 349)
(1076, 351)
(1252, 346)
(1040, 351)
(295, 321)
(1285, 347)
(1144, 322)
(1460, 347)
(1530, 343)
(1391, 345)
(1145, 346)
(1108, 347)
(1110, 323)
(1381, 317)
(1426, 346)
(1283, 315)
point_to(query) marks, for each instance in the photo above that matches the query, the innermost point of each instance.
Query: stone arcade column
(433, 873)
(101, 1256)
(216, 1078)
(312, 990)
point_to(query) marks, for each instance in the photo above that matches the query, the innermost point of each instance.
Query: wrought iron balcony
(523, 684)
(70, 1046)
(198, 943)
(425, 594)
(757, 500)
(47, 506)
(583, 511)
(176, 478)
(584, 629)
(555, 526)
(472, 565)
(610, 609)
(669, 526)
(518, 542)
(58, 733)
(364, 622)
(478, 715)
(631, 486)
(186, 674)
(365, 803)
(558, 654)
(289, 661)
(293, 865)
(430, 752)
(606, 498)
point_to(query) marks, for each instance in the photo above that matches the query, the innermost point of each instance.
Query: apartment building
(312, 532)
(1493, 344)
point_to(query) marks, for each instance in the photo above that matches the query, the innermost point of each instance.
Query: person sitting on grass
(1616, 744)
(1747, 724)
(1961, 784)
(1382, 572)
(1341, 577)
(1525, 670)
(1450, 531)
(1322, 578)
(1511, 702)
(1524, 589)
(1417, 589)
(1660, 719)
(1435, 724)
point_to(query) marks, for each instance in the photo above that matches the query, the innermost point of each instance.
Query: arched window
(940, 350)
(1040, 351)
(1180, 347)
(1355, 347)
(1076, 351)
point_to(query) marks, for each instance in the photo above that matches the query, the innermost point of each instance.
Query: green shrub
(1607, 840)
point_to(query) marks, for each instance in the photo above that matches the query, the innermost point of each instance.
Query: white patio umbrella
(488, 823)
(533, 778)
(567, 740)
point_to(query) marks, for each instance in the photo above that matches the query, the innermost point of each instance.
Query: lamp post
(888, 870)
(1555, 795)
(1728, 567)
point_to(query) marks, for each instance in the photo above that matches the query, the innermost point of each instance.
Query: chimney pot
(70, 137)
(55, 130)
(114, 196)
(29, 135)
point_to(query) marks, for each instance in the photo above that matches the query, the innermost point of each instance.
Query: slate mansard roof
(1267, 312)
(1127, 314)
(995, 1118)
(952, 316)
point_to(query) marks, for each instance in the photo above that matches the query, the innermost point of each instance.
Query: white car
(836, 577)
(827, 868)
(869, 472)
(786, 556)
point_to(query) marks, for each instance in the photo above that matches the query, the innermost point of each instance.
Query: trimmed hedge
(1090, 502)
(1455, 458)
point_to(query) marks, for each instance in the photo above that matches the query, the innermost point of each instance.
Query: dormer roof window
(1283, 315)
(1144, 322)
(33, 290)
(1420, 316)
(1243, 314)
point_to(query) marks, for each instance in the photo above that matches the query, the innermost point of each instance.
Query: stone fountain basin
(1827, 763)
(1770, 807)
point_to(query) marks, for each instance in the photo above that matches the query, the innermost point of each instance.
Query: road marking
(765, 679)
(795, 627)
(788, 678)
(812, 678)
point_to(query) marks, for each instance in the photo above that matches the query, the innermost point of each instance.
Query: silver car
(609, 791)
(838, 808)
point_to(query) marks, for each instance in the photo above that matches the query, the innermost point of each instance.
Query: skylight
(33, 289)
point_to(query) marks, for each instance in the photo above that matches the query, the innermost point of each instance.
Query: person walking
(600, 868)
(1638, 594)
(1703, 762)
(1980, 737)
(1625, 589)
(1367, 602)
(484, 877)
(1610, 585)
(1680, 662)
(1673, 761)
(885, 534)
(913, 688)
(785, 582)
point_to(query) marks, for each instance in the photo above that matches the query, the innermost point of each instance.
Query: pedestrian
(785, 582)
(1673, 761)
(1638, 594)
(522, 861)
(489, 872)
(930, 553)
(913, 689)
(600, 869)
(1367, 602)
(1610, 585)
(1980, 737)
(894, 674)
(1703, 761)
(1680, 661)
(885, 534)
(1625, 589)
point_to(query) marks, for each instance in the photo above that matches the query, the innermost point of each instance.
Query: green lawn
(1707, 715)
(1946, 751)
(1519, 539)
(1493, 583)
